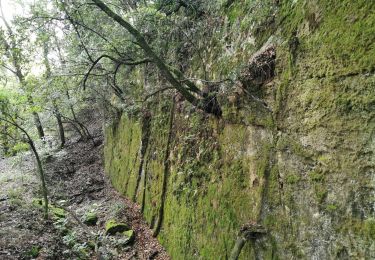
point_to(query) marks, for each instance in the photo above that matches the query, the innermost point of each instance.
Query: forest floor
(78, 191)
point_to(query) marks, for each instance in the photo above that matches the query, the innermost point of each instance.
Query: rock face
(296, 155)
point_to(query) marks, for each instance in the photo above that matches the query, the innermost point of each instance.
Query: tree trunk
(41, 175)
(30, 141)
(5, 140)
(240, 242)
(38, 125)
(36, 118)
(71, 106)
(60, 125)
(56, 110)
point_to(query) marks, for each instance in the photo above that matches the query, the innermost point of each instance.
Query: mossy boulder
(56, 211)
(126, 238)
(129, 234)
(90, 218)
(112, 227)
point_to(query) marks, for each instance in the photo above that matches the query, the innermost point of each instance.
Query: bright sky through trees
(11, 8)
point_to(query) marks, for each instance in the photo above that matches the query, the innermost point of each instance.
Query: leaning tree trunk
(41, 175)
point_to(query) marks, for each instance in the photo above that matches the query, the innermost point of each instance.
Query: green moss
(316, 176)
(369, 228)
(90, 218)
(288, 143)
(359, 227)
(320, 25)
(112, 227)
(216, 184)
(122, 169)
(57, 212)
(321, 193)
(130, 235)
(33, 252)
(321, 101)
(292, 179)
(331, 207)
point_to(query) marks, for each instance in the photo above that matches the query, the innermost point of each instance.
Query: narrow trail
(76, 182)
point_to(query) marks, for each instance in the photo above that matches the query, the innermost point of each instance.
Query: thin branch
(130, 63)
(78, 33)
(207, 81)
(8, 68)
(114, 77)
(156, 92)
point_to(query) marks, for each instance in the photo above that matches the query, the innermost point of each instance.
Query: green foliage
(210, 175)
(15, 197)
(331, 207)
(316, 176)
(20, 147)
(62, 225)
(292, 179)
(33, 252)
(57, 213)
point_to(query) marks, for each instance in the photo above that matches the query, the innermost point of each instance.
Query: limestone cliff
(293, 150)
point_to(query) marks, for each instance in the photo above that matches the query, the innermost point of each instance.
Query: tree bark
(60, 125)
(41, 175)
(240, 242)
(36, 118)
(56, 111)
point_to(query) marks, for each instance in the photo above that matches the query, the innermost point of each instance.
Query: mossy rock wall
(303, 166)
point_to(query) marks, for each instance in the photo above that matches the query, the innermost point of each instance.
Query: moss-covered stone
(56, 211)
(90, 218)
(112, 227)
(130, 235)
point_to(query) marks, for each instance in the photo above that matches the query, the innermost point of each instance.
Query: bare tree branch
(156, 92)
(130, 63)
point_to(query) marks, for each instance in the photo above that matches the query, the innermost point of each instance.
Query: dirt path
(76, 183)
